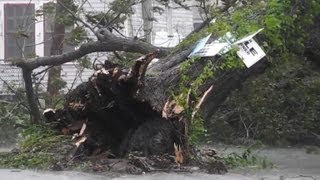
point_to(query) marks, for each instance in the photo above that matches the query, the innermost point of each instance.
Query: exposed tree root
(104, 114)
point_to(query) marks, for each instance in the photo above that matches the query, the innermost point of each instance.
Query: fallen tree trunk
(120, 111)
(163, 79)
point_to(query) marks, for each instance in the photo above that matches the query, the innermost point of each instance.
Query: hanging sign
(250, 52)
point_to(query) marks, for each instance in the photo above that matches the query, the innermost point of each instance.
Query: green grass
(40, 148)
(247, 159)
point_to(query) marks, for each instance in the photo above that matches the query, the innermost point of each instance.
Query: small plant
(25, 160)
(246, 159)
(39, 138)
(12, 114)
(41, 148)
(313, 150)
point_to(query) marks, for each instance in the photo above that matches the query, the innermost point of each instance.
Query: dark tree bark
(54, 73)
(32, 99)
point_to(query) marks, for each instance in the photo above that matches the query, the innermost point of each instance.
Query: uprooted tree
(150, 108)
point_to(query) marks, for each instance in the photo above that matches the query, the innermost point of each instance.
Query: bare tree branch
(108, 43)
(17, 94)
(40, 72)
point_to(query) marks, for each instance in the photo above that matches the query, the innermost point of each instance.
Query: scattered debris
(249, 50)
(179, 154)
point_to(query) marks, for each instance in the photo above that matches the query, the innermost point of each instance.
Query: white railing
(11, 77)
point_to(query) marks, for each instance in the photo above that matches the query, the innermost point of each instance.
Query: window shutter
(19, 28)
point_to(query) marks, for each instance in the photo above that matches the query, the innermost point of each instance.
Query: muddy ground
(290, 163)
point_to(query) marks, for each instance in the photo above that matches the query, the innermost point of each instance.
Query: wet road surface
(293, 163)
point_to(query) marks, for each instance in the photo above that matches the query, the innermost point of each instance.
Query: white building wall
(137, 21)
(74, 75)
(39, 33)
(172, 26)
(168, 30)
(1, 31)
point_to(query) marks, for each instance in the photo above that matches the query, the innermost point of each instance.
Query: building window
(19, 29)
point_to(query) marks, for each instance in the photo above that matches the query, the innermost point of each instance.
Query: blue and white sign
(199, 46)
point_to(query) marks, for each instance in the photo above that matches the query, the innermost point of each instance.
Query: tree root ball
(113, 119)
